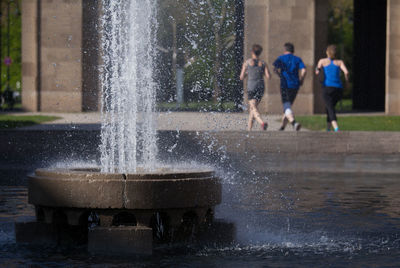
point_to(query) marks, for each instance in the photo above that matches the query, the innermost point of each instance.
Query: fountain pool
(283, 220)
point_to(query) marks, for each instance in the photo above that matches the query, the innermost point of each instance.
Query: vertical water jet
(128, 88)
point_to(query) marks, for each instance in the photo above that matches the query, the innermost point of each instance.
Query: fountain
(130, 200)
(311, 199)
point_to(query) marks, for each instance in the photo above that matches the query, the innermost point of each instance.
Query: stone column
(60, 55)
(30, 92)
(321, 43)
(393, 58)
(271, 23)
(61, 58)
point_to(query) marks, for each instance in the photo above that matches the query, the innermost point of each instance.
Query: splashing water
(128, 87)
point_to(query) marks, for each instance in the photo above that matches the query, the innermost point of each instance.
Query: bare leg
(335, 125)
(290, 117)
(284, 122)
(253, 108)
(250, 122)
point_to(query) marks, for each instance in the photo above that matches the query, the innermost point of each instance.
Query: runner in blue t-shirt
(292, 72)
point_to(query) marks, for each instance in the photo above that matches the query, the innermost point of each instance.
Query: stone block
(29, 51)
(252, 34)
(62, 54)
(274, 104)
(29, 98)
(394, 65)
(300, 13)
(29, 30)
(29, 69)
(172, 193)
(307, 144)
(282, 3)
(256, 3)
(307, 87)
(394, 10)
(58, 191)
(122, 240)
(394, 41)
(273, 85)
(280, 14)
(393, 98)
(303, 104)
(67, 101)
(61, 75)
(393, 87)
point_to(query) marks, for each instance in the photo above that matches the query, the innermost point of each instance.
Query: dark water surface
(324, 220)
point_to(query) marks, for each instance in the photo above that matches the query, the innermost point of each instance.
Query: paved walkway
(195, 121)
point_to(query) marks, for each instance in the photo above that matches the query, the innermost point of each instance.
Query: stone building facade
(60, 51)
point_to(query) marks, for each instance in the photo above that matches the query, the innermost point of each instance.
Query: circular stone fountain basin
(89, 188)
(126, 209)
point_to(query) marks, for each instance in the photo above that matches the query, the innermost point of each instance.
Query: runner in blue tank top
(332, 84)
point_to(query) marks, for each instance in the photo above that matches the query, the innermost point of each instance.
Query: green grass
(353, 123)
(197, 106)
(14, 121)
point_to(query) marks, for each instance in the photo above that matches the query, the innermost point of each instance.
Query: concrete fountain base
(120, 213)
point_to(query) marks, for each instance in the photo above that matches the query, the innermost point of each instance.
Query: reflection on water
(14, 203)
(281, 220)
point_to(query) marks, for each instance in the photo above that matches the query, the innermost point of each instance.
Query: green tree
(171, 17)
(11, 40)
(200, 36)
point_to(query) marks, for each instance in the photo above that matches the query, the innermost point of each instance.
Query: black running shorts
(288, 95)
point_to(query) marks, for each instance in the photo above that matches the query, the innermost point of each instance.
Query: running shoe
(297, 126)
(264, 126)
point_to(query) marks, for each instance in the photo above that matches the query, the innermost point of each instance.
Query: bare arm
(243, 72)
(319, 66)
(303, 72)
(267, 73)
(345, 71)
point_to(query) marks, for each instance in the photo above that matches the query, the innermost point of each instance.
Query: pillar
(30, 90)
(321, 43)
(59, 55)
(393, 58)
